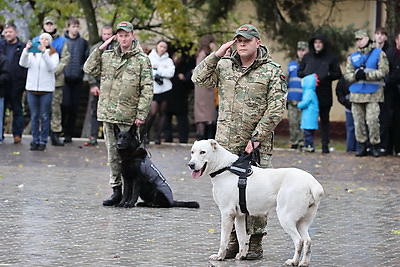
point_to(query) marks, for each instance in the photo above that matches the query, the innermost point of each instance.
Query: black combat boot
(55, 139)
(115, 198)
(255, 247)
(362, 150)
(376, 151)
(233, 246)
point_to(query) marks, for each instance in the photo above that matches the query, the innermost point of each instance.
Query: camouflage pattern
(126, 84)
(294, 115)
(374, 75)
(366, 114)
(365, 107)
(251, 102)
(113, 158)
(56, 126)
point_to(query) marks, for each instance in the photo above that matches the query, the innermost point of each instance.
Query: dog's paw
(216, 257)
(240, 256)
(304, 263)
(291, 262)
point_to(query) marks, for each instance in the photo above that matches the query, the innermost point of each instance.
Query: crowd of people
(368, 89)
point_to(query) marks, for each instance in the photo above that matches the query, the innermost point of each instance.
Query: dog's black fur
(136, 183)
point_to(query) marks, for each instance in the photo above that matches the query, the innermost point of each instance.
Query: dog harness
(242, 168)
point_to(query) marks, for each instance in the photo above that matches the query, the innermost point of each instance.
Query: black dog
(141, 178)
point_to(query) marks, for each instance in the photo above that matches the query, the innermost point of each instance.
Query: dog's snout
(191, 165)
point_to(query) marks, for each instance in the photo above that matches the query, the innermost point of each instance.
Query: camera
(158, 79)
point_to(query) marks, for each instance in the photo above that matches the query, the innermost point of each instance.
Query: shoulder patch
(283, 78)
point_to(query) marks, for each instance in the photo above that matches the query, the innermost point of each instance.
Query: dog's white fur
(294, 193)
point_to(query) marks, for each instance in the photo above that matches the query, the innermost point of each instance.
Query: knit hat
(125, 26)
(302, 45)
(248, 31)
(47, 36)
(360, 34)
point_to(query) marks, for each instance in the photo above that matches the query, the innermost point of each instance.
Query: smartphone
(34, 48)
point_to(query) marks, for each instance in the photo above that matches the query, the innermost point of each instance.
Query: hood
(66, 35)
(263, 56)
(320, 37)
(309, 82)
(154, 54)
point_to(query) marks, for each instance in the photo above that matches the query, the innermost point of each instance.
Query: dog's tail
(186, 204)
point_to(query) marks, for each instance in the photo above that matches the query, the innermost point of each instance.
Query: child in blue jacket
(309, 111)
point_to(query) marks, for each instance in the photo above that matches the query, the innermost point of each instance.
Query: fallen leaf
(20, 166)
(16, 153)
(211, 231)
(396, 232)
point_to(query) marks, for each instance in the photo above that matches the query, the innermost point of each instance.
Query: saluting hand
(222, 50)
(104, 45)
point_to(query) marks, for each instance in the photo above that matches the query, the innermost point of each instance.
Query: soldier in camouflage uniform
(294, 97)
(252, 99)
(366, 68)
(126, 91)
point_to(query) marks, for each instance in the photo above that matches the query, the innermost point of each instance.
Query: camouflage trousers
(366, 115)
(294, 118)
(113, 158)
(55, 123)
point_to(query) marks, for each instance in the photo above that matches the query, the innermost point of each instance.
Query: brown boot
(233, 246)
(255, 247)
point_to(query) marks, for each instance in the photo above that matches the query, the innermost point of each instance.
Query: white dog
(294, 193)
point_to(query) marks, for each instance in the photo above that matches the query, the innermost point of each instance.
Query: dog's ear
(132, 130)
(213, 144)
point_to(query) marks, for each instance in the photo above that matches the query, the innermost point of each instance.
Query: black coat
(393, 79)
(4, 75)
(18, 74)
(343, 93)
(325, 65)
(178, 101)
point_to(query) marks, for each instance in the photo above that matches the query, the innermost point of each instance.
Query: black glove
(158, 79)
(360, 75)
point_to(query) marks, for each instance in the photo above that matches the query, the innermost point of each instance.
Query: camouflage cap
(360, 34)
(248, 31)
(49, 20)
(125, 26)
(302, 45)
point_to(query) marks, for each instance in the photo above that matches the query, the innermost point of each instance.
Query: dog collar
(218, 172)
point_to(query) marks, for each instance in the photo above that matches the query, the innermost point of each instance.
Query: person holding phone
(40, 86)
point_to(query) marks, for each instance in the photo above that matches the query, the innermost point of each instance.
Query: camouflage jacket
(251, 102)
(375, 75)
(126, 84)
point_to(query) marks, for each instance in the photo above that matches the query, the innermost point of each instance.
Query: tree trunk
(91, 21)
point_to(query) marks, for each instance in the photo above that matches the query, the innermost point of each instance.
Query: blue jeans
(40, 108)
(351, 143)
(1, 117)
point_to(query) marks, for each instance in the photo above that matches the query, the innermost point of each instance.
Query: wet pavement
(51, 212)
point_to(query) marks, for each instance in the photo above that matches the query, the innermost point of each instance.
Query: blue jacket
(309, 103)
(294, 83)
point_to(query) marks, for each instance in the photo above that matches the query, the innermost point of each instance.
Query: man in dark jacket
(12, 49)
(4, 77)
(79, 52)
(320, 61)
